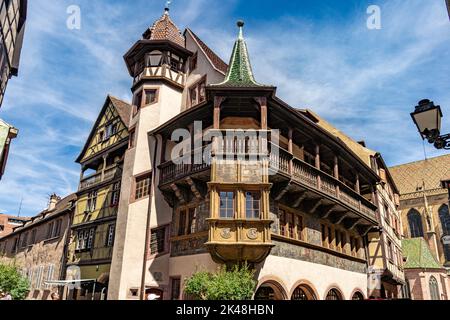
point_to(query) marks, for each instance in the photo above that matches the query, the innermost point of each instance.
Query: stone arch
(307, 287)
(271, 288)
(334, 289)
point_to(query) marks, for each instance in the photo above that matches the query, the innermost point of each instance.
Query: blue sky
(319, 54)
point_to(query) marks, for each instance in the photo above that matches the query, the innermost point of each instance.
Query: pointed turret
(164, 29)
(240, 73)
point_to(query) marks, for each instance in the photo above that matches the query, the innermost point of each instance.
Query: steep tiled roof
(240, 73)
(217, 62)
(409, 177)
(61, 206)
(418, 255)
(165, 29)
(123, 109)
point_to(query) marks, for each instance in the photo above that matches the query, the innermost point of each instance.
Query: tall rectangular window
(158, 241)
(192, 221)
(182, 223)
(90, 239)
(25, 240)
(110, 236)
(33, 236)
(175, 288)
(299, 225)
(337, 237)
(252, 205)
(92, 201)
(115, 195)
(291, 226)
(330, 238)
(283, 223)
(324, 235)
(50, 230)
(142, 187)
(57, 229)
(226, 205)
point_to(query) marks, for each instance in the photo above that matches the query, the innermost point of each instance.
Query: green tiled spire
(240, 72)
(418, 255)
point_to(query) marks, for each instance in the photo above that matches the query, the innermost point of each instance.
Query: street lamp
(427, 118)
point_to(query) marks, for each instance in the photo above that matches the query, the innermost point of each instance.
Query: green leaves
(12, 282)
(236, 284)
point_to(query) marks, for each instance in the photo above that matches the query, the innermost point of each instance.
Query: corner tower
(157, 65)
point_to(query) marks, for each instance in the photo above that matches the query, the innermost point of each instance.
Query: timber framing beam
(313, 205)
(327, 211)
(351, 224)
(179, 193)
(196, 188)
(281, 190)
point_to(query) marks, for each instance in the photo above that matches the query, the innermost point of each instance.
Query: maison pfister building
(297, 206)
(94, 221)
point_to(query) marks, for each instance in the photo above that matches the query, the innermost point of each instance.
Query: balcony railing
(176, 170)
(100, 177)
(316, 179)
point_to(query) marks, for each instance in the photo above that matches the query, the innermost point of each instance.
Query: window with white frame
(115, 195)
(85, 239)
(110, 237)
(92, 201)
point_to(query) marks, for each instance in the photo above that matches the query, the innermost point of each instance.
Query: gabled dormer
(106, 143)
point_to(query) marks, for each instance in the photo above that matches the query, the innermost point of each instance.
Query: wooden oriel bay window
(291, 225)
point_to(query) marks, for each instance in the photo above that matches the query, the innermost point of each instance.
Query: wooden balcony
(98, 178)
(317, 184)
(171, 172)
(163, 72)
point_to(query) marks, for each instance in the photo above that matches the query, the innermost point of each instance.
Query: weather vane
(168, 3)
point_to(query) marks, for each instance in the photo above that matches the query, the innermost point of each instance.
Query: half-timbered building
(94, 221)
(222, 171)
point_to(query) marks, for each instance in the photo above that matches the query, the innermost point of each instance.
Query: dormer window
(197, 93)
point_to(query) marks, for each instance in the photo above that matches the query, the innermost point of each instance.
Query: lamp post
(427, 118)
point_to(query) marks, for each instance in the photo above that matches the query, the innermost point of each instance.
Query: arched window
(415, 224)
(358, 296)
(444, 216)
(303, 293)
(333, 294)
(270, 291)
(434, 289)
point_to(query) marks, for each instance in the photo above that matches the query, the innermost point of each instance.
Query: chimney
(54, 199)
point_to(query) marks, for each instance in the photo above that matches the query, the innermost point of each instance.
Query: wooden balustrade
(97, 178)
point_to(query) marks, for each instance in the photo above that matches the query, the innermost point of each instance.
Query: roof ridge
(119, 99)
(216, 61)
(420, 161)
